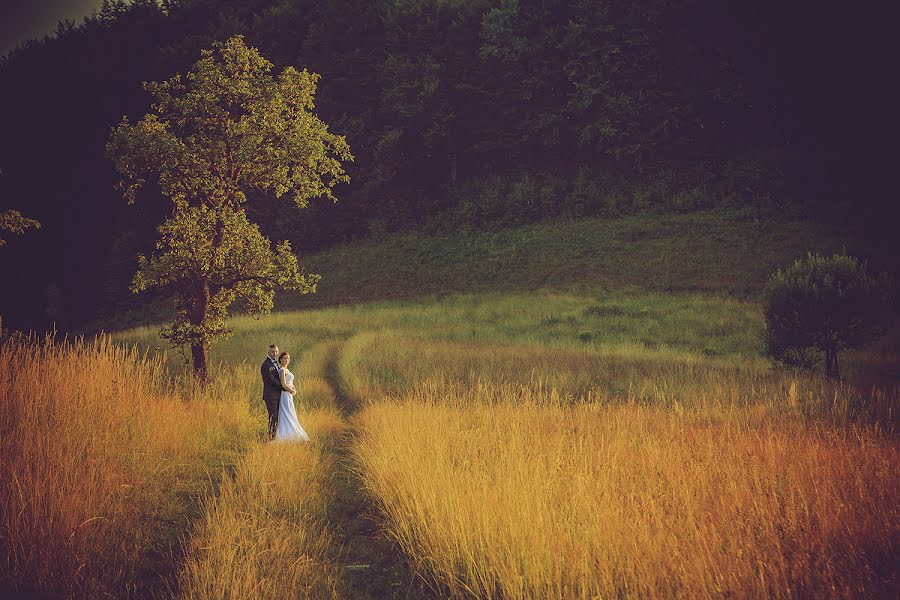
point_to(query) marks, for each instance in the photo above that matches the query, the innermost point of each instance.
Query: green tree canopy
(227, 128)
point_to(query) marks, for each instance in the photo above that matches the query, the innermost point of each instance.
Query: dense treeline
(459, 113)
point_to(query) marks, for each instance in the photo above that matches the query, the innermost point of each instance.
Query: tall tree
(230, 129)
(345, 43)
(430, 77)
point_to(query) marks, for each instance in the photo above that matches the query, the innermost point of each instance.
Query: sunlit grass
(565, 445)
(101, 456)
(264, 535)
(504, 491)
(379, 364)
(706, 325)
(560, 410)
(704, 330)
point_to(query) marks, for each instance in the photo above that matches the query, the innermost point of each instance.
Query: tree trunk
(200, 354)
(199, 308)
(200, 348)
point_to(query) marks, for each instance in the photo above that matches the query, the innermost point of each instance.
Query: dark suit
(271, 392)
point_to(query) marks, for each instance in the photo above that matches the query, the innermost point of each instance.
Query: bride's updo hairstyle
(282, 355)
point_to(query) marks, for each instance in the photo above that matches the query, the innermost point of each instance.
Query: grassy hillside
(686, 282)
(717, 251)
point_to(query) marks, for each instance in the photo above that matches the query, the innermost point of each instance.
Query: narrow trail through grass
(373, 565)
(168, 552)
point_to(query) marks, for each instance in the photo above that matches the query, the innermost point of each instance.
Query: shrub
(819, 306)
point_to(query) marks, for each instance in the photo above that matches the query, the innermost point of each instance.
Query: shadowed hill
(711, 252)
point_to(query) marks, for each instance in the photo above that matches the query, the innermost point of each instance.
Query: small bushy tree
(820, 306)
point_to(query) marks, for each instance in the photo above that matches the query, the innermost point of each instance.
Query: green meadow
(716, 252)
(603, 379)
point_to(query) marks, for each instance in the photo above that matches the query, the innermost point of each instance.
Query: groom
(271, 388)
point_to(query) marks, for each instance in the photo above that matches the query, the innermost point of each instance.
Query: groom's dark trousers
(271, 393)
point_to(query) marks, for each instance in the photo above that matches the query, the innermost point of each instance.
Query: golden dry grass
(99, 455)
(671, 459)
(264, 536)
(376, 364)
(511, 492)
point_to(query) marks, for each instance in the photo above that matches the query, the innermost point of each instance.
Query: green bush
(820, 306)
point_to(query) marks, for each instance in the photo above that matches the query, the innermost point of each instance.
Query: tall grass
(558, 445)
(265, 534)
(102, 461)
(498, 490)
(376, 364)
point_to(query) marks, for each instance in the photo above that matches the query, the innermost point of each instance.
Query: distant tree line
(542, 107)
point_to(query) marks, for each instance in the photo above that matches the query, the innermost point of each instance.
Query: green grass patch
(706, 325)
(710, 252)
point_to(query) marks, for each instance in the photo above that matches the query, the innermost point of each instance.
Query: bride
(289, 429)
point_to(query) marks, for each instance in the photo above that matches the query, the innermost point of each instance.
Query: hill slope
(714, 252)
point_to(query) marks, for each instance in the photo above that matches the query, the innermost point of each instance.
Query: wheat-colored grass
(375, 364)
(511, 492)
(571, 446)
(264, 535)
(99, 455)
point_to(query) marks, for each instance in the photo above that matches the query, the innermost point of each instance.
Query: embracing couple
(278, 394)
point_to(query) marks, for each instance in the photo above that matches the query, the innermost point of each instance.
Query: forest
(461, 115)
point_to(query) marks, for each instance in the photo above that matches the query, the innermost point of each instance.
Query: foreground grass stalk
(264, 535)
(506, 492)
(101, 464)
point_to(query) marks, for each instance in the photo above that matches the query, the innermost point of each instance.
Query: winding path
(373, 565)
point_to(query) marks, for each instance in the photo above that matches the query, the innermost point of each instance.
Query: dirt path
(166, 547)
(373, 565)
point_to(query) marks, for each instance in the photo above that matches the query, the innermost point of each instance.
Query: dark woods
(461, 114)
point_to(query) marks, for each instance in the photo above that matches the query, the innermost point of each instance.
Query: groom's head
(273, 351)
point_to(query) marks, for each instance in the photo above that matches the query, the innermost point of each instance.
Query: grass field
(716, 252)
(614, 444)
(573, 409)
(103, 460)
(265, 533)
(496, 491)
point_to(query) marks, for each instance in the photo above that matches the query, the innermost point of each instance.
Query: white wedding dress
(289, 429)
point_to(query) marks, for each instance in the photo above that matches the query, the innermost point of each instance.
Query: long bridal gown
(289, 429)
